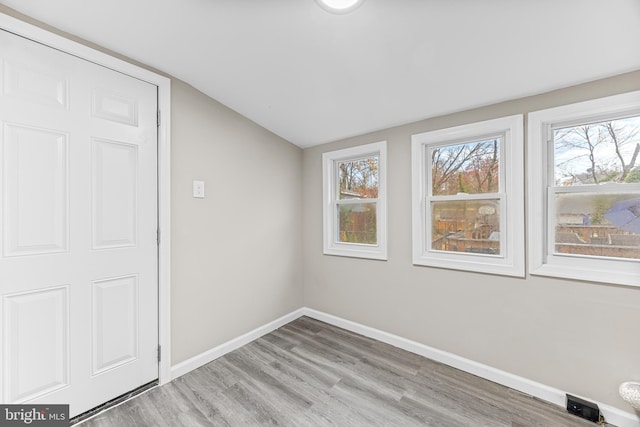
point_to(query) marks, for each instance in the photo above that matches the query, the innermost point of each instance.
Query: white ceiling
(313, 77)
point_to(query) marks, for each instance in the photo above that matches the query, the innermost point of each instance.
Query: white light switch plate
(198, 189)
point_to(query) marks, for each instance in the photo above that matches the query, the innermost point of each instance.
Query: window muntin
(355, 205)
(463, 175)
(583, 180)
(356, 199)
(468, 197)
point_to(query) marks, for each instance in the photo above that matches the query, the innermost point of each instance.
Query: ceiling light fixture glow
(339, 6)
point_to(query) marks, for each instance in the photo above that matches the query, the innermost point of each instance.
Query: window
(354, 189)
(468, 202)
(584, 175)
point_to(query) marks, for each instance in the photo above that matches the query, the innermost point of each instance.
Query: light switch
(198, 189)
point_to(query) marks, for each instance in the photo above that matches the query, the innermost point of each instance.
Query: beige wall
(236, 254)
(575, 336)
(238, 257)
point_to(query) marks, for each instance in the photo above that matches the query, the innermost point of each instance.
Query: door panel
(114, 107)
(115, 194)
(35, 217)
(27, 80)
(35, 347)
(115, 322)
(78, 208)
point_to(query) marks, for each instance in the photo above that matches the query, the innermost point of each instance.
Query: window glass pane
(466, 226)
(471, 168)
(358, 178)
(598, 152)
(357, 223)
(598, 224)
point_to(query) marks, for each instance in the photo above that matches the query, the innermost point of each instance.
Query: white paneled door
(78, 221)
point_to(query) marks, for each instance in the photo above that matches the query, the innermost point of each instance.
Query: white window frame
(510, 261)
(332, 246)
(542, 260)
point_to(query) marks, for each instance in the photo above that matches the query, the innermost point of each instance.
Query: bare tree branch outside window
(469, 225)
(598, 152)
(600, 221)
(470, 168)
(358, 179)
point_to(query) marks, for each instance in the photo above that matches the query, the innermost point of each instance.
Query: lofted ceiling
(314, 77)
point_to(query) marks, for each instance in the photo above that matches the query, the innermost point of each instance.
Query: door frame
(66, 45)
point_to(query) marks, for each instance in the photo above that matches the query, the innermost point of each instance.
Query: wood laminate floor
(308, 373)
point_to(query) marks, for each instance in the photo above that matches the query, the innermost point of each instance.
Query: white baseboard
(212, 354)
(612, 415)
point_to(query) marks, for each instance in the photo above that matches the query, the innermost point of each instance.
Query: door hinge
(158, 118)
(159, 353)
(158, 236)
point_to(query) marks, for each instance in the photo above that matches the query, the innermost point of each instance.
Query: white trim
(541, 260)
(164, 224)
(612, 415)
(552, 395)
(329, 177)
(511, 196)
(37, 34)
(227, 347)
